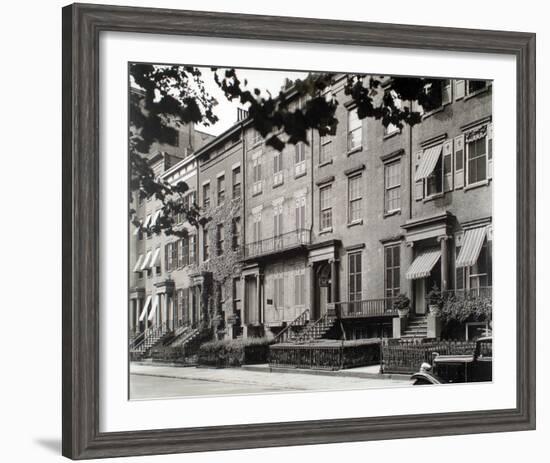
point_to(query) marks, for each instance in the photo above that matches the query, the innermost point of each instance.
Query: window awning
(145, 307)
(138, 263)
(146, 262)
(147, 221)
(154, 309)
(156, 217)
(428, 162)
(423, 264)
(471, 247)
(155, 261)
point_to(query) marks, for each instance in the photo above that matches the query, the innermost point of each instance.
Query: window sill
(255, 145)
(325, 231)
(326, 163)
(434, 197)
(476, 93)
(302, 174)
(392, 213)
(355, 150)
(476, 185)
(258, 193)
(354, 223)
(276, 185)
(435, 111)
(387, 136)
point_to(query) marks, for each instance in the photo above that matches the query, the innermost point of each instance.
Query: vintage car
(474, 367)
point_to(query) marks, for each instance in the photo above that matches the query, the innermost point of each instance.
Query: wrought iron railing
(282, 242)
(287, 332)
(365, 308)
(482, 291)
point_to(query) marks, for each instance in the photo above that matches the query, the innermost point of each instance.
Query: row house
(333, 228)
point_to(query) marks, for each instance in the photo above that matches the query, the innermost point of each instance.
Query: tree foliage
(172, 96)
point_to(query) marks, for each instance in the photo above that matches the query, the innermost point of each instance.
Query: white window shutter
(418, 186)
(448, 165)
(490, 151)
(459, 161)
(460, 89)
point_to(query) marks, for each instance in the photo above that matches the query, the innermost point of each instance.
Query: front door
(322, 291)
(420, 296)
(251, 300)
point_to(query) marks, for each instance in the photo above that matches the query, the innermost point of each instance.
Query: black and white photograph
(294, 231)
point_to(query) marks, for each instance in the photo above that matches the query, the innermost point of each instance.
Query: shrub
(434, 297)
(401, 302)
(234, 352)
(465, 309)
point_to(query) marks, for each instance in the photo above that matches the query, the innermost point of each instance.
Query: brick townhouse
(333, 229)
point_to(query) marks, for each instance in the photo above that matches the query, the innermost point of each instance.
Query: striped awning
(145, 308)
(156, 217)
(423, 264)
(155, 261)
(138, 263)
(154, 309)
(471, 247)
(146, 262)
(428, 161)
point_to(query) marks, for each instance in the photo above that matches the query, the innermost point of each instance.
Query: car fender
(425, 378)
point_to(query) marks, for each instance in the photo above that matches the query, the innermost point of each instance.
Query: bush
(234, 352)
(470, 308)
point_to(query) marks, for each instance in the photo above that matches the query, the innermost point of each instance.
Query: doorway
(323, 294)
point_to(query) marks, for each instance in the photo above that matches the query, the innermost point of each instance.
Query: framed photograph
(287, 231)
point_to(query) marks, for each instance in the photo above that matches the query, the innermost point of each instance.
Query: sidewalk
(280, 379)
(371, 372)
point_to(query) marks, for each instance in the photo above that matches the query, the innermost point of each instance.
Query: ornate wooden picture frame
(82, 25)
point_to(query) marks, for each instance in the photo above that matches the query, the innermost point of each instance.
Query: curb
(339, 373)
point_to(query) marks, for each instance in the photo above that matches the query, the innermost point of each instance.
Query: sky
(227, 111)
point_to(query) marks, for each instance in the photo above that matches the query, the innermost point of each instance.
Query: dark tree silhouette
(171, 96)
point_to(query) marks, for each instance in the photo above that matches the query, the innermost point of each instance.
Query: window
(300, 213)
(392, 187)
(476, 156)
(237, 182)
(205, 245)
(256, 175)
(325, 202)
(255, 137)
(434, 183)
(174, 259)
(221, 189)
(278, 291)
(256, 246)
(168, 256)
(391, 128)
(299, 159)
(192, 249)
(299, 288)
(480, 275)
(219, 239)
(473, 86)
(354, 277)
(446, 91)
(355, 195)
(392, 268)
(206, 195)
(183, 252)
(355, 130)
(278, 225)
(325, 152)
(278, 176)
(236, 233)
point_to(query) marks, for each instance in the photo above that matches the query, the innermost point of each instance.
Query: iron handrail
(297, 321)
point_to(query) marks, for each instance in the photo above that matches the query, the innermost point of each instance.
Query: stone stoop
(417, 328)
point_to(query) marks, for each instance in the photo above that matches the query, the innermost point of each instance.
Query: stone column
(334, 280)
(311, 279)
(410, 283)
(444, 263)
(259, 295)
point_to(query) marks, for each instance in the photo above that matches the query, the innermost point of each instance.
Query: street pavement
(153, 381)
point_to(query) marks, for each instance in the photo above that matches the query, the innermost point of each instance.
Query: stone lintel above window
(433, 140)
(325, 180)
(354, 170)
(471, 125)
(385, 158)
